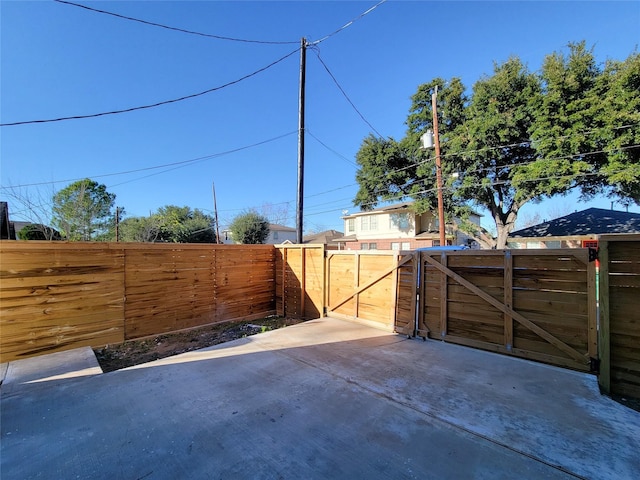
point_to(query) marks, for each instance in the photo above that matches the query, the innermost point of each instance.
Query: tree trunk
(503, 235)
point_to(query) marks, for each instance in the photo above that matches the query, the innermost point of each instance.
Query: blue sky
(59, 60)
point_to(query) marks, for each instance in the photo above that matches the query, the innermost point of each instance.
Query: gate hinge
(593, 254)
(594, 365)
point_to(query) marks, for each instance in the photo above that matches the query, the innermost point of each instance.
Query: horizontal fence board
(58, 295)
(551, 260)
(548, 288)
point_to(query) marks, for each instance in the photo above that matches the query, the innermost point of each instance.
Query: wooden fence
(300, 288)
(619, 336)
(56, 296)
(535, 304)
(373, 287)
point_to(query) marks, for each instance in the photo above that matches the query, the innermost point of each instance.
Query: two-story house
(397, 227)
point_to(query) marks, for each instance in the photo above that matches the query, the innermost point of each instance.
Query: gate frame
(577, 360)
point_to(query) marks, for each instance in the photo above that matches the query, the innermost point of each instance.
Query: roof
(326, 237)
(348, 238)
(402, 206)
(281, 228)
(388, 208)
(592, 221)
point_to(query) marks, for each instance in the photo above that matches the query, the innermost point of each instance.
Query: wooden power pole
(436, 141)
(299, 206)
(215, 212)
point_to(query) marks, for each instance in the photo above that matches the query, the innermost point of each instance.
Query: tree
(35, 231)
(140, 229)
(35, 207)
(518, 138)
(83, 210)
(170, 224)
(250, 228)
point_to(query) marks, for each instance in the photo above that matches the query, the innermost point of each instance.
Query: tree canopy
(518, 137)
(170, 224)
(83, 210)
(250, 228)
(37, 231)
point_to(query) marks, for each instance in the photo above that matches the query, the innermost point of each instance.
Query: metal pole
(436, 137)
(299, 207)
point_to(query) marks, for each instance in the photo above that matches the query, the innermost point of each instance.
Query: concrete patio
(321, 399)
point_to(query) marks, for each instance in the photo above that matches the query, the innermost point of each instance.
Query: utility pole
(436, 137)
(215, 212)
(117, 224)
(299, 206)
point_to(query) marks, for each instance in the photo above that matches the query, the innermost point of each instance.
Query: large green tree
(519, 137)
(83, 211)
(170, 224)
(250, 228)
(37, 231)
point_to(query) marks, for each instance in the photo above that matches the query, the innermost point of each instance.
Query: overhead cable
(329, 148)
(349, 23)
(315, 50)
(219, 37)
(180, 163)
(157, 104)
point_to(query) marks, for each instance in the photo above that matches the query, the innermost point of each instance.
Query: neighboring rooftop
(592, 221)
(327, 237)
(281, 228)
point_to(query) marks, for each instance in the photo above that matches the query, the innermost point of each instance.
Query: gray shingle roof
(591, 221)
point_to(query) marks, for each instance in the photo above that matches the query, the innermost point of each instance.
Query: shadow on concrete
(321, 399)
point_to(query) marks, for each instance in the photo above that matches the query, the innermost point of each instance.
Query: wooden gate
(620, 314)
(375, 288)
(535, 304)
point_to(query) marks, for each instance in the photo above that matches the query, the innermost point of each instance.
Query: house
(328, 238)
(280, 234)
(397, 227)
(576, 230)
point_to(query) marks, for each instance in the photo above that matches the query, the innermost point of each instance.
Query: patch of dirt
(633, 403)
(135, 352)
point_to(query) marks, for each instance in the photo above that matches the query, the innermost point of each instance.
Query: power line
(157, 104)
(519, 144)
(218, 37)
(349, 23)
(330, 149)
(181, 163)
(315, 50)
(502, 182)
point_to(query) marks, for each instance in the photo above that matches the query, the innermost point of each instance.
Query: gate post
(604, 353)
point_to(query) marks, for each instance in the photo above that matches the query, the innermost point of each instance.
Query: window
(373, 246)
(399, 221)
(364, 223)
(395, 245)
(373, 222)
(351, 225)
(364, 246)
(275, 235)
(406, 245)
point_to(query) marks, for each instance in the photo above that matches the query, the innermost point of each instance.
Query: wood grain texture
(57, 295)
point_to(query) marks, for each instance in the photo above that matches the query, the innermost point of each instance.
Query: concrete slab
(79, 362)
(322, 399)
(3, 371)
